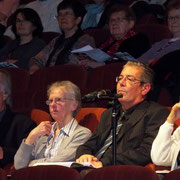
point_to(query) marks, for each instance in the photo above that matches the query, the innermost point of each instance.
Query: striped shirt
(53, 144)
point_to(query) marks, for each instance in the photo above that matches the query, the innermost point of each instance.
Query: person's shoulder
(38, 41)
(22, 119)
(156, 106)
(80, 128)
(13, 42)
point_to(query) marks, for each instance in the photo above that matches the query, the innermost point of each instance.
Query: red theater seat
(45, 173)
(90, 117)
(2, 174)
(124, 172)
(173, 175)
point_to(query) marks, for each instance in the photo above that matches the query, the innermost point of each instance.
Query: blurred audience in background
(123, 36)
(13, 127)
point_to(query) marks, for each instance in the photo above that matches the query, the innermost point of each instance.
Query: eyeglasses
(18, 21)
(128, 78)
(57, 101)
(171, 18)
(64, 14)
(120, 19)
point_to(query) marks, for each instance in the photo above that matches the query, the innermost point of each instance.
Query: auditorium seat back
(123, 172)
(46, 173)
(155, 32)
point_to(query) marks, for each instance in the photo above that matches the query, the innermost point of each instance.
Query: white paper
(124, 56)
(83, 49)
(162, 171)
(66, 164)
(95, 54)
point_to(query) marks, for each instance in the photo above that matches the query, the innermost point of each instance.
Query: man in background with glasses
(55, 142)
(138, 126)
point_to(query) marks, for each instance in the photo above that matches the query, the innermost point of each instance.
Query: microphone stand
(114, 122)
(114, 127)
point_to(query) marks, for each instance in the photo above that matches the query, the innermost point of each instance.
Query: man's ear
(131, 24)
(146, 88)
(78, 20)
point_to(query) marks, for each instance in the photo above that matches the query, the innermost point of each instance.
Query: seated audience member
(57, 142)
(58, 51)
(139, 119)
(13, 127)
(27, 27)
(123, 37)
(47, 12)
(165, 149)
(166, 46)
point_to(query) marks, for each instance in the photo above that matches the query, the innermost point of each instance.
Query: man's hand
(42, 129)
(97, 164)
(86, 158)
(1, 153)
(91, 159)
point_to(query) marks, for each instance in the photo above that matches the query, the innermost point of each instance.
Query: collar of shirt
(53, 144)
(129, 111)
(66, 130)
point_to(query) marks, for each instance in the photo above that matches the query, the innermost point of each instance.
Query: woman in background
(27, 28)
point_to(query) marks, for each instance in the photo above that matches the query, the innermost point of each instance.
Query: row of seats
(124, 172)
(29, 92)
(55, 172)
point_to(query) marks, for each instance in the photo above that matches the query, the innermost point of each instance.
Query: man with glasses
(55, 142)
(138, 126)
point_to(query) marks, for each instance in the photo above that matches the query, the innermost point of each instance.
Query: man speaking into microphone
(138, 121)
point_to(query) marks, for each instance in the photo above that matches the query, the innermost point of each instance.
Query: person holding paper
(138, 119)
(55, 142)
(69, 15)
(123, 37)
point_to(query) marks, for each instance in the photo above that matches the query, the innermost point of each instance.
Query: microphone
(103, 94)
